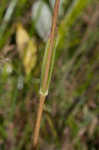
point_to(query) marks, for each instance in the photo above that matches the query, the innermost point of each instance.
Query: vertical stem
(51, 38)
(47, 69)
(37, 126)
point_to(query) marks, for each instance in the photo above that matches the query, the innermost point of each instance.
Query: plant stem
(37, 126)
(46, 73)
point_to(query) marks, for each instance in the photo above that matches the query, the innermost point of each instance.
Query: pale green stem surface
(76, 8)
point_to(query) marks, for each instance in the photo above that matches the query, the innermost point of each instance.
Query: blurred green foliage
(71, 113)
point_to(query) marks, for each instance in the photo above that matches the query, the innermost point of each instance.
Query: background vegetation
(71, 113)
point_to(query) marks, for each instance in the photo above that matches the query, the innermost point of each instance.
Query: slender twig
(47, 68)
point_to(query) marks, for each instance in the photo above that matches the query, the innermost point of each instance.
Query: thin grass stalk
(46, 72)
(7, 17)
